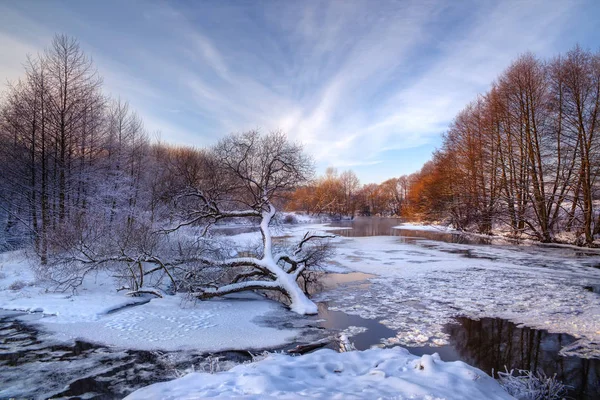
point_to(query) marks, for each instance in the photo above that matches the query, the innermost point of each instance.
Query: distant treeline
(339, 195)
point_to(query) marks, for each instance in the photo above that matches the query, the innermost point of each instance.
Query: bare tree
(248, 172)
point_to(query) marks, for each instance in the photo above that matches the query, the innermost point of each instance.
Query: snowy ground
(325, 374)
(97, 313)
(420, 227)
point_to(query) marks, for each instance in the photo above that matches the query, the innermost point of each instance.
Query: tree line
(522, 159)
(342, 195)
(67, 149)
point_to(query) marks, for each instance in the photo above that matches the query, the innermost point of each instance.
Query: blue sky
(367, 85)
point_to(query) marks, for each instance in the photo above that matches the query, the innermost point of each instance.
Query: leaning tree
(245, 176)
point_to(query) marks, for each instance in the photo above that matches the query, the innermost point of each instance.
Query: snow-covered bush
(528, 385)
(18, 285)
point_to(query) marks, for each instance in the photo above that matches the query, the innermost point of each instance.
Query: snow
(97, 313)
(420, 227)
(414, 289)
(326, 374)
(299, 302)
(170, 324)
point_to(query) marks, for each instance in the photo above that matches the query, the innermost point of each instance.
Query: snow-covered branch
(237, 287)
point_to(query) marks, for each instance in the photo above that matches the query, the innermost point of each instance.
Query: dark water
(379, 226)
(593, 288)
(337, 320)
(492, 345)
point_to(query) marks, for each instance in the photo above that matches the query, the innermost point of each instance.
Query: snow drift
(326, 374)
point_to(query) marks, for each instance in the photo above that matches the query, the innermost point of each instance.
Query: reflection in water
(379, 226)
(489, 344)
(492, 343)
(332, 280)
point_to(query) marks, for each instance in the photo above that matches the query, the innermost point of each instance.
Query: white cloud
(13, 53)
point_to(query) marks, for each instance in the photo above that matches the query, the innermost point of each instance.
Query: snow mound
(325, 374)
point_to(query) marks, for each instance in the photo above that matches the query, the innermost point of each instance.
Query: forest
(522, 160)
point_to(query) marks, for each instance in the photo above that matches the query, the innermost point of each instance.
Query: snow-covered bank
(97, 313)
(429, 228)
(562, 239)
(325, 374)
(170, 324)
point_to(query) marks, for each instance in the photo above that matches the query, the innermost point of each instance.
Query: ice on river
(420, 288)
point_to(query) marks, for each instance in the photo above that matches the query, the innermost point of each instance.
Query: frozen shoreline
(142, 323)
(564, 241)
(416, 290)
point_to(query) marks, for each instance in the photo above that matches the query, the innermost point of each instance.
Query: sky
(364, 85)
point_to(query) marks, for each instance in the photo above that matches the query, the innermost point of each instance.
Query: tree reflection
(491, 344)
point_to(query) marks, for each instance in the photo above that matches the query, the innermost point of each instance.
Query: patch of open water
(376, 226)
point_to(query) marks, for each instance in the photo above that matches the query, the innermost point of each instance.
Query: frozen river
(490, 303)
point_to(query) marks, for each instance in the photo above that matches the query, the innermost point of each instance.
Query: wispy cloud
(356, 81)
